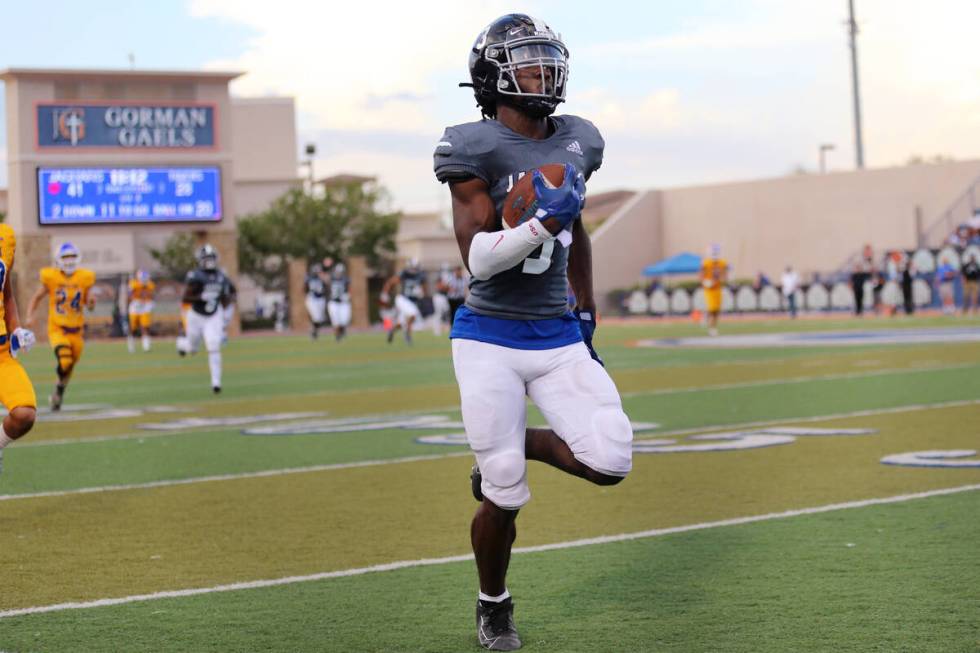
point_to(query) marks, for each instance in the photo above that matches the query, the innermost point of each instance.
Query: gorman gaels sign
(128, 126)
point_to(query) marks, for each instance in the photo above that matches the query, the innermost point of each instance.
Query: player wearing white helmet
(68, 287)
(141, 290)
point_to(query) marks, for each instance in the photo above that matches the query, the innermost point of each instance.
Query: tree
(176, 258)
(347, 220)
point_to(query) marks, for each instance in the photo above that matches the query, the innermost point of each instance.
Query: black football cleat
(476, 482)
(391, 336)
(216, 389)
(495, 628)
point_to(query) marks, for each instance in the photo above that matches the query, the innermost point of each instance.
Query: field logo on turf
(949, 458)
(731, 441)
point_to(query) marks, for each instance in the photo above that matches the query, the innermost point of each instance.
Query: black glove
(586, 323)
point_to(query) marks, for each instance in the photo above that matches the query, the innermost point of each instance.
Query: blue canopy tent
(683, 263)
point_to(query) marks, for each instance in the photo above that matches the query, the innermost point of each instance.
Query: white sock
(4, 438)
(214, 362)
(131, 344)
(146, 342)
(494, 599)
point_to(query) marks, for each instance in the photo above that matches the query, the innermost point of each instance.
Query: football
(520, 203)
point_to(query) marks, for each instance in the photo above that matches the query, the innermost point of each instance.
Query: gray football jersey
(537, 287)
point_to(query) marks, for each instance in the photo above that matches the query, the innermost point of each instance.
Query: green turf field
(136, 521)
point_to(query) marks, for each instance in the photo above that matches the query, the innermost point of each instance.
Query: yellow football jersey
(67, 295)
(713, 273)
(141, 292)
(8, 243)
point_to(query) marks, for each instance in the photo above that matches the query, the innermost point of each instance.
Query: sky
(685, 92)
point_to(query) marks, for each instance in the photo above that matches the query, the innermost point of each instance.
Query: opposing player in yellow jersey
(67, 287)
(141, 291)
(16, 391)
(714, 275)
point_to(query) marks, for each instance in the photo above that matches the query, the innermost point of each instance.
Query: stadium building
(118, 161)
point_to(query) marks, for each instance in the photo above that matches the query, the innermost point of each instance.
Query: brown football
(520, 203)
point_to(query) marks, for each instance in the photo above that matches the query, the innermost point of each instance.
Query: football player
(515, 337)
(316, 298)
(339, 305)
(411, 285)
(714, 275)
(67, 287)
(209, 293)
(440, 299)
(141, 290)
(16, 391)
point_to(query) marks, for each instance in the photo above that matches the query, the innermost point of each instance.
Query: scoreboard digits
(108, 195)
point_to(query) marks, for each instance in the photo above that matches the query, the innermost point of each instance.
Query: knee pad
(613, 437)
(505, 478)
(66, 360)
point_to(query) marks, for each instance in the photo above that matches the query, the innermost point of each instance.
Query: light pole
(852, 28)
(310, 152)
(824, 148)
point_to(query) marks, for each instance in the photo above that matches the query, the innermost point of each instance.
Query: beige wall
(814, 222)
(426, 237)
(264, 151)
(634, 233)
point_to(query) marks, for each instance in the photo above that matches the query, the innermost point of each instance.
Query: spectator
(956, 238)
(975, 236)
(862, 272)
(878, 286)
(790, 283)
(908, 277)
(971, 282)
(945, 277)
(761, 281)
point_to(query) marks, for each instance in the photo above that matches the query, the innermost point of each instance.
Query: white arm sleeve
(496, 251)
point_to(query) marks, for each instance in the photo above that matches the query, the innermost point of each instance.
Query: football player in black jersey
(410, 283)
(209, 292)
(515, 337)
(316, 298)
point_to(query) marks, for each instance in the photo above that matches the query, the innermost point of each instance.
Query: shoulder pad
(460, 152)
(590, 139)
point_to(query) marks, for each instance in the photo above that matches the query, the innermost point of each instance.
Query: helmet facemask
(207, 258)
(68, 259)
(546, 58)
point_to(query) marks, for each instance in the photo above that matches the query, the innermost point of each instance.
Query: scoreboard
(124, 194)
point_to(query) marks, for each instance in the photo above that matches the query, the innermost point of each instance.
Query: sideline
(429, 562)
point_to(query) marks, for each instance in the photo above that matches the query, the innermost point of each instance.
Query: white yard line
(428, 562)
(911, 408)
(231, 477)
(798, 379)
(393, 461)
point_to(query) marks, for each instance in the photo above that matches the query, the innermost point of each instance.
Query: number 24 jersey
(67, 295)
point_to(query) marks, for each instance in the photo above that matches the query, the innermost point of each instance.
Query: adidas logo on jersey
(575, 147)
